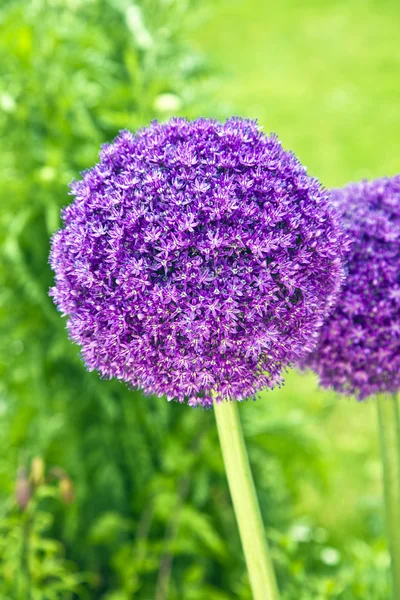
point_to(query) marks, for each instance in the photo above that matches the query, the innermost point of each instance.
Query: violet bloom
(197, 259)
(359, 347)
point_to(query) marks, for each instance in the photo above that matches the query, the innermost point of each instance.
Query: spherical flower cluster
(359, 347)
(197, 260)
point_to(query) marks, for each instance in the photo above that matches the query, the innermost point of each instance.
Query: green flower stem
(245, 503)
(389, 429)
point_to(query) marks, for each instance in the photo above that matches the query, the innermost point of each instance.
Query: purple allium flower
(198, 259)
(359, 348)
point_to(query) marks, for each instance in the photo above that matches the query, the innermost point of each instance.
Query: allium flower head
(359, 348)
(198, 259)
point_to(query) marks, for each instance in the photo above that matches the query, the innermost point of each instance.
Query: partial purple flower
(198, 259)
(359, 348)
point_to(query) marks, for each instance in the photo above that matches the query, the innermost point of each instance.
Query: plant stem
(389, 429)
(245, 503)
(25, 572)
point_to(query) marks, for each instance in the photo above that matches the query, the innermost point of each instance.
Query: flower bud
(37, 471)
(23, 490)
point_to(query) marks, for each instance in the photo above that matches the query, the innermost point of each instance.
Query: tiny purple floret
(359, 348)
(197, 260)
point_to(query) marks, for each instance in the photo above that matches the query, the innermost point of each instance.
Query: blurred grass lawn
(325, 76)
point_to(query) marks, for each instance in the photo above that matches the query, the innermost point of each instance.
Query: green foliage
(150, 508)
(322, 572)
(33, 565)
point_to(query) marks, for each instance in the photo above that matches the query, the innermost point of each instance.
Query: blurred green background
(106, 494)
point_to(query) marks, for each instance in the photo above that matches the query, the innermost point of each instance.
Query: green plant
(32, 563)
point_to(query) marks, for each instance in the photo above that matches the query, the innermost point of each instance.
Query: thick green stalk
(245, 503)
(389, 429)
